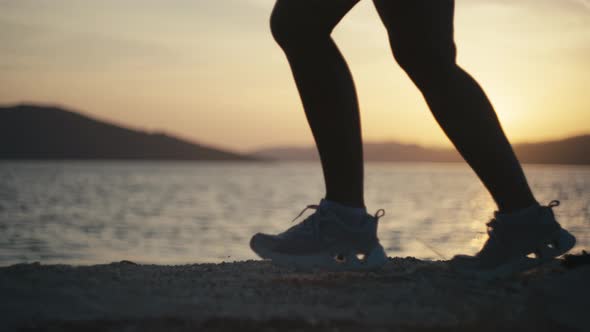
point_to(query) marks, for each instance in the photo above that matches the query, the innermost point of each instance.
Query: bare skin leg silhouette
(421, 37)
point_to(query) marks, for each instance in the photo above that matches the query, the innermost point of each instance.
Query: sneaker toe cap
(263, 243)
(460, 262)
(457, 258)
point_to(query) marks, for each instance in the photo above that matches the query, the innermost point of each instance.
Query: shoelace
(313, 206)
(309, 222)
(378, 214)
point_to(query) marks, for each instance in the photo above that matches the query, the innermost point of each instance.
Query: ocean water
(76, 212)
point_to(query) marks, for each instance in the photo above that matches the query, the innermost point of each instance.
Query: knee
(426, 63)
(283, 29)
(294, 32)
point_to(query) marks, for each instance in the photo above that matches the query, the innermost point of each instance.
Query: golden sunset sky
(209, 71)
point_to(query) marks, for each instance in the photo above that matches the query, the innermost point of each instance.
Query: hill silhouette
(37, 132)
(574, 150)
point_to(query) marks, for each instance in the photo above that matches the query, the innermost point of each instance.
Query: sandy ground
(407, 295)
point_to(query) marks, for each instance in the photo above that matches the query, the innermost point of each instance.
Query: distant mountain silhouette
(36, 132)
(575, 150)
(389, 151)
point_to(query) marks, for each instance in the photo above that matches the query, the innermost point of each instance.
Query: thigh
(418, 24)
(319, 15)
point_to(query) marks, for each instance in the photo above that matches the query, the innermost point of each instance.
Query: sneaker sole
(326, 261)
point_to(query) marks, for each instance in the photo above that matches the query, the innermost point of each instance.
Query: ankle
(517, 206)
(345, 202)
(519, 212)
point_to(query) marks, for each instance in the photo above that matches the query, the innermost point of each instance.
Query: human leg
(303, 30)
(337, 236)
(421, 37)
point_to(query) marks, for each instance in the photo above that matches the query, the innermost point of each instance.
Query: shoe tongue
(345, 213)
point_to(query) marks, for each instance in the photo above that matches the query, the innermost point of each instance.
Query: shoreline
(407, 294)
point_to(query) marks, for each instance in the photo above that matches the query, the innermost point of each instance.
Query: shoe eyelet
(340, 258)
(361, 257)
